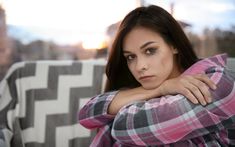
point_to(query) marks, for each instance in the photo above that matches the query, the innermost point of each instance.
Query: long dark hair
(158, 20)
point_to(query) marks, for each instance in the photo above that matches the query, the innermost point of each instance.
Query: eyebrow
(141, 47)
(146, 44)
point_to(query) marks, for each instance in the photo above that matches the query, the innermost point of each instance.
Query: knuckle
(195, 89)
(185, 92)
(201, 85)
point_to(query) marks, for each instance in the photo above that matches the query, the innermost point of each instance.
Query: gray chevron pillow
(40, 100)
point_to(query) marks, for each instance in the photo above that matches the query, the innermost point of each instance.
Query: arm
(101, 109)
(173, 118)
(194, 87)
(129, 96)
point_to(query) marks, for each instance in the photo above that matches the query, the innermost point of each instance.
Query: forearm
(125, 97)
(102, 109)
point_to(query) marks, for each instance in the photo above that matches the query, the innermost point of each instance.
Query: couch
(39, 102)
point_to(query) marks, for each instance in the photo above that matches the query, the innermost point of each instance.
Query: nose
(141, 66)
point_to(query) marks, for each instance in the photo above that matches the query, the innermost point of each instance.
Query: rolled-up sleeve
(94, 113)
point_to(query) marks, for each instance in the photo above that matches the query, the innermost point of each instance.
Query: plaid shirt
(169, 120)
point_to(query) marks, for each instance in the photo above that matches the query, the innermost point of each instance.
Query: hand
(194, 87)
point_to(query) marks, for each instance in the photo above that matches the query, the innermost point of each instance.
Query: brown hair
(158, 20)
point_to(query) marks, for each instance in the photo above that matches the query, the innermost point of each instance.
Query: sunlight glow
(79, 17)
(94, 43)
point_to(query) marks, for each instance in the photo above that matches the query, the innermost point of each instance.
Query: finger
(197, 93)
(205, 92)
(189, 96)
(203, 88)
(191, 90)
(204, 78)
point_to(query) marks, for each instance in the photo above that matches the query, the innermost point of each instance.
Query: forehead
(139, 36)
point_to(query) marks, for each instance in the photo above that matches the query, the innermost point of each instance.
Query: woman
(155, 82)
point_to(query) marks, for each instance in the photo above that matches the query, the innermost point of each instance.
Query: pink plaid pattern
(169, 120)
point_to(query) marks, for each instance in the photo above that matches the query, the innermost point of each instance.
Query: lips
(145, 78)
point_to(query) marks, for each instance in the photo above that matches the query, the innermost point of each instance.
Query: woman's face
(150, 59)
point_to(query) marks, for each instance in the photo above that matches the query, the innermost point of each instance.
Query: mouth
(145, 78)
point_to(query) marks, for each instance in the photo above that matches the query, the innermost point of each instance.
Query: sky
(72, 21)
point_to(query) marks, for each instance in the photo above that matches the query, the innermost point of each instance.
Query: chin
(150, 86)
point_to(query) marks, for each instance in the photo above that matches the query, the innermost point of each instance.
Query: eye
(129, 57)
(150, 51)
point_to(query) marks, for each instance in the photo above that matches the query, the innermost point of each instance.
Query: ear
(175, 51)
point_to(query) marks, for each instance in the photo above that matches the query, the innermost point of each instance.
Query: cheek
(165, 65)
(168, 65)
(132, 69)
(167, 59)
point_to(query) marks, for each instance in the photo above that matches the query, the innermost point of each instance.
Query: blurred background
(84, 29)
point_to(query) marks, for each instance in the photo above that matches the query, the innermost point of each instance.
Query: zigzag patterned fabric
(40, 100)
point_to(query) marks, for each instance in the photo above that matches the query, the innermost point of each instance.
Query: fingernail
(214, 87)
(209, 100)
(203, 103)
